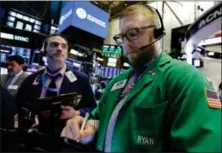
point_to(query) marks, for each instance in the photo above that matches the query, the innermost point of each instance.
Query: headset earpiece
(160, 31)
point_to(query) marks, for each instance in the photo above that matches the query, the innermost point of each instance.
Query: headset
(158, 32)
(45, 43)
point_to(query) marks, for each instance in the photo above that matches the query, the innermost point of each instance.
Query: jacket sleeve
(95, 113)
(8, 108)
(194, 125)
(23, 105)
(88, 99)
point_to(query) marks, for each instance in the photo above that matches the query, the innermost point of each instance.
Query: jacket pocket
(148, 127)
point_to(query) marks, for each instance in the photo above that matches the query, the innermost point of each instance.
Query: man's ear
(22, 65)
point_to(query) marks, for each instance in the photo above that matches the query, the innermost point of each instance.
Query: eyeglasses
(131, 34)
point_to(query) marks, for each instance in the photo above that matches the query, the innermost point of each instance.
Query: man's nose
(59, 48)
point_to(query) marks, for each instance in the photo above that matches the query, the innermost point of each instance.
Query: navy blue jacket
(29, 93)
(8, 108)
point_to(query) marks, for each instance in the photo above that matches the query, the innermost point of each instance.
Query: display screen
(38, 22)
(12, 13)
(28, 27)
(36, 57)
(85, 16)
(20, 16)
(107, 72)
(32, 20)
(10, 24)
(112, 51)
(37, 27)
(74, 63)
(112, 62)
(12, 50)
(23, 22)
(10, 18)
(26, 18)
(19, 25)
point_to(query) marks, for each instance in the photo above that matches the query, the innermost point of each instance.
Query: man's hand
(68, 112)
(72, 130)
(16, 121)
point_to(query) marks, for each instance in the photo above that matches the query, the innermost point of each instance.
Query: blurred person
(8, 111)
(8, 108)
(15, 76)
(220, 91)
(57, 78)
(159, 105)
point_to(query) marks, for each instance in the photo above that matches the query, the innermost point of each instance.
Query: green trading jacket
(167, 110)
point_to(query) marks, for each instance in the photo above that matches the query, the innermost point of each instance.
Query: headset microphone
(144, 47)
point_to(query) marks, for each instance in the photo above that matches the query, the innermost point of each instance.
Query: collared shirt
(48, 80)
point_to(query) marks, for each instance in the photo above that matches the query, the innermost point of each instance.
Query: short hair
(18, 59)
(45, 42)
(143, 9)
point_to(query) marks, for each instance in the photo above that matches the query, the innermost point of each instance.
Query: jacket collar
(148, 75)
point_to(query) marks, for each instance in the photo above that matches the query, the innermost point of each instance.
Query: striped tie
(112, 121)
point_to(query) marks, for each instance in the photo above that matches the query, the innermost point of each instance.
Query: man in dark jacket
(15, 76)
(8, 110)
(54, 80)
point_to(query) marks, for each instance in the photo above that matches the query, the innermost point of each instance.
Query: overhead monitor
(26, 18)
(14, 50)
(112, 51)
(20, 16)
(85, 16)
(37, 27)
(10, 18)
(10, 24)
(19, 25)
(28, 27)
(112, 62)
(12, 13)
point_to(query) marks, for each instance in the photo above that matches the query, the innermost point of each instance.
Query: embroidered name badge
(145, 140)
(119, 85)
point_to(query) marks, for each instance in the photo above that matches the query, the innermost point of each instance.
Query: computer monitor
(112, 62)
(28, 27)
(14, 50)
(19, 25)
(36, 57)
(112, 51)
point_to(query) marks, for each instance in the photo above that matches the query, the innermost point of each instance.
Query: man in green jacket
(161, 104)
